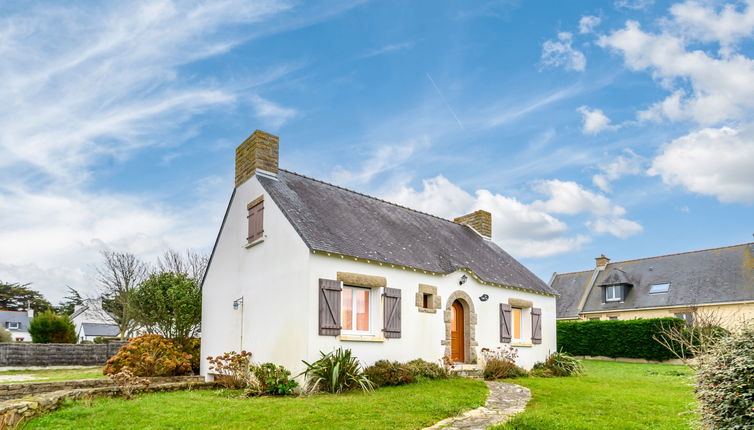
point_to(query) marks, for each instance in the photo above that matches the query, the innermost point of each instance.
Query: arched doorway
(457, 343)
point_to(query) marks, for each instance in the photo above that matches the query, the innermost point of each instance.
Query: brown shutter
(536, 326)
(392, 310)
(329, 307)
(505, 323)
(256, 222)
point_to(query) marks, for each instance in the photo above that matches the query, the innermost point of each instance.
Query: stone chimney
(258, 152)
(480, 221)
(30, 312)
(602, 261)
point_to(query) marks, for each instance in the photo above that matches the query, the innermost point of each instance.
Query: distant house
(92, 321)
(17, 322)
(302, 266)
(719, 281)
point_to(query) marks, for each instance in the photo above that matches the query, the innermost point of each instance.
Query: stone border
(469, 325)
(503, 401)
(435, 300)
(15, 412)
(17, 390)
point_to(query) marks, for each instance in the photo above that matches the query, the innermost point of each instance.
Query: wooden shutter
(329, 307)
(505, 323)
(256, 222)
(536, 326)
(392, 312)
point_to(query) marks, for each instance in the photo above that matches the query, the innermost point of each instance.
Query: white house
(301, 266)
(17, 323)
(92, 321)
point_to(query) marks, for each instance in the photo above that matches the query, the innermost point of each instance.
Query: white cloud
(713, 161)
(388, 49)
(587, 23)
(594, 120)
(619, 227)
(633, 4)
(385, 158)
(726, 26)
(272, 113)
(561, 53)
(627, 164)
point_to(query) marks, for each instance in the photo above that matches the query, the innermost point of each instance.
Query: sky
(624, 127)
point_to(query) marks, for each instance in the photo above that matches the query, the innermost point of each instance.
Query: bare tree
(702, 330)
(118, 275)
(192, 264)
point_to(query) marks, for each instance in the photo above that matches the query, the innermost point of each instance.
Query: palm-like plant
(336, 372)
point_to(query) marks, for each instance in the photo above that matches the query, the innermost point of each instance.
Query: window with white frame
(613, 293)
(659, 288)
(356, 310)
(13, 325)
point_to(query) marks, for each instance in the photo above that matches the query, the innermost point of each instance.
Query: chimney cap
(602, 260)
(479, 220)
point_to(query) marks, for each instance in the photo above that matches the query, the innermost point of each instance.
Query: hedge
(624, 339)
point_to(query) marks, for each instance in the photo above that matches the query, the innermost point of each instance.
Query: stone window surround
(435, 300)
(469, 329)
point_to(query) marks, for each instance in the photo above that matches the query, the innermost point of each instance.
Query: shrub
(232, 369)
(336, 372)
(385, 373)
(558, 364)
(150, 355)
(127, 382)
(626, 339)
(271, 379)
(425, 369)
(193, 347)
(49, 327)
(501, 363)
(725, 381)
(5, 335)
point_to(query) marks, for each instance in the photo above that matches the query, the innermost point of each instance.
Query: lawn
(49, 375)
(406, 407)
(611, 395)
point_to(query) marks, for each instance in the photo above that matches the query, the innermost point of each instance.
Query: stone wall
(23, 389)
(18, 354)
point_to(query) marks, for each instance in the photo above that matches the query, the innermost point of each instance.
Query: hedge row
(624, 339)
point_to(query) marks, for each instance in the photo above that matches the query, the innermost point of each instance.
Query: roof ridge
(680, 253)
(573, 273)
(371, 197)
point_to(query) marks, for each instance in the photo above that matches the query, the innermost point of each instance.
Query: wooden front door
(456, 333)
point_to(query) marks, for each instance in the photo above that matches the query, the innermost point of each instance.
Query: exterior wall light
(237, 302)
(463, 280)
(484, 297)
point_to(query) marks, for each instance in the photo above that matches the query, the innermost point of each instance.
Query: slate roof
(96, 329)
(333, 219)
(571, 287)
(699, 277)
(15, 316)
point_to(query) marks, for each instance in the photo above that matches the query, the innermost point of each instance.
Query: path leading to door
(504, 401)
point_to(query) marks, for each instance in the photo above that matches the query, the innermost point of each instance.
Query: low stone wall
(23, 389)
(13, 413)
(21, 354)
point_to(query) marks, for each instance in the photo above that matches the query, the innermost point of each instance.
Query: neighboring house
(17, 322)
(92, 321)
(301, 266)
(719, 281)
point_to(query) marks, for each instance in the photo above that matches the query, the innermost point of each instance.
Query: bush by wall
(5, 335)
(623, 339)
(151, 355)
(49, 327)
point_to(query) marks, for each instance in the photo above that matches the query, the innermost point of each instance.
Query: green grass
(406, 407)
(49, 375)
(610, 396)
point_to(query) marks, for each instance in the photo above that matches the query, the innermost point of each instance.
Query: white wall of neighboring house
(92, 313)
(23, 318)
(278, 280)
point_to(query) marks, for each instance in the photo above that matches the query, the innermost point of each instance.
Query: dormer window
(659, 288)
(13, 325)
(613, 293)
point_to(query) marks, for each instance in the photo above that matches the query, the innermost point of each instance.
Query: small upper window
(256, 221)
(659, 288)
(13, 325)
(613, 293)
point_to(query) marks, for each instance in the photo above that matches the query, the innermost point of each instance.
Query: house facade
(301, 266)
(718, 283)
(91, 321)
(17, 323)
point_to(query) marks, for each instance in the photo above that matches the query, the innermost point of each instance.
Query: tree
(69, 302)
(49, 327)
(118, 275)
(18, 297)
(169, 304)
(5, 335)
(192, 264)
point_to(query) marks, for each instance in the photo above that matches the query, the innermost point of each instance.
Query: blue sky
(586, 127)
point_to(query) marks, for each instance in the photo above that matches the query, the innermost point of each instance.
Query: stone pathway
(504, 401)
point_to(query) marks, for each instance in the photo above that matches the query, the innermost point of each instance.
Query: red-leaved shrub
(151, 355)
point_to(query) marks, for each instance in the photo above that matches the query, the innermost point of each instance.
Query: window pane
(346, 306)
(362, 309)
(516, 323)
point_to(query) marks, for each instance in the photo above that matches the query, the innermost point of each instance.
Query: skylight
(659, 288)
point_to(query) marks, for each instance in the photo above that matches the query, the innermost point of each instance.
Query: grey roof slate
(616, 277)
(333, 219)
(15, 316)
(96, 329)
(570, 286)
(699, 277)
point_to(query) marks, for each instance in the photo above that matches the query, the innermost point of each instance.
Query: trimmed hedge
(617, 339)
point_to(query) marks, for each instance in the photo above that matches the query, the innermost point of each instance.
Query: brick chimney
(602, 261)
(258, 152)
(480, 221)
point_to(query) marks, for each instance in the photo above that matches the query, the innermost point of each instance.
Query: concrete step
(471, 371)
